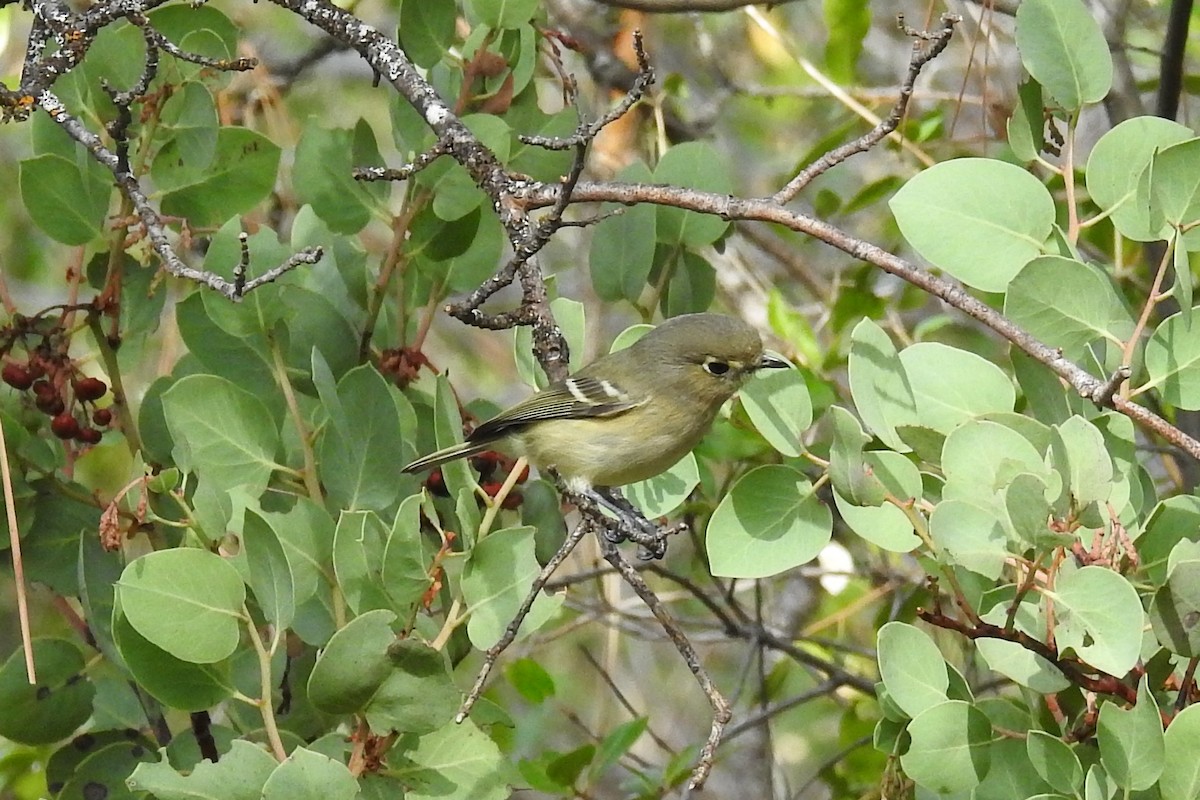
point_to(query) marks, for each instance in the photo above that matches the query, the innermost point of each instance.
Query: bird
(629, 415)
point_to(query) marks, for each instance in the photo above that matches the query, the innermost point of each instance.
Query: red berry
(436, 484)
(524, 476)
(64, 426)
(89, 436)
(102, 417)
(36, 370)
(50, 404)
(17, 376)
(491, 487)
(43, 389)
(513, 500)
(90, 388)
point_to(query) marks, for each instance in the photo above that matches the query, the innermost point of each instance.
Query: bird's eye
(714, 367)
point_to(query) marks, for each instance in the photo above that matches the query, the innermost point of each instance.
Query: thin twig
(14, 542)
(720, 706)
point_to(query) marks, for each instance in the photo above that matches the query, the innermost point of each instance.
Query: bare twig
(937, 42)
(510, 632)
(720, 706)
(14, 542)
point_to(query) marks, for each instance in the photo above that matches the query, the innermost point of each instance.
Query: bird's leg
(632, 524)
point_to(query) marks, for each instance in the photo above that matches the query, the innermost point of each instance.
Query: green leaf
(405, 575)
(769, 522)
(455, 761)
(978, 219)
(426, 30)
(972, 535)
(1131, 741)
(172, 681)
(1055, 761)
(498, 574)
(358, 461)
(239, 775)
(96, 764)
(847, 23)
(221, 432)
(665, 492)
(322, 177)
(52, 709)
(242, 174)
(353, 664)
(1175, 613)
(879, 384)
(848, 472)
(1172, 521)
(66, 199)
(358, 560)
(241, 357)
(418, 696)
(622, 252)
(983, 457)
(1079, 453)
(617, 743)
(270, 574)
(1181, 771)
(1026, 128)
(1174, 187)
(1100, 616)
(1064, 49)
(951, 386)
(692, 286)
(911, 667)
(1116, 166)
(310, 776)
(696, 165)
(1066, 304)
(1173, 362)
(884, 526)
(186, 601)
(780, 409)
(1182, 290)
(948, 751)
(1028, 512)
(503, 13)
(531, 680)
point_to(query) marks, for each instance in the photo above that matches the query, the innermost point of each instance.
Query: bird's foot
(631, 525)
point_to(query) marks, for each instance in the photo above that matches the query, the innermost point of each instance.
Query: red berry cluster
(58, 389)
(493, 468)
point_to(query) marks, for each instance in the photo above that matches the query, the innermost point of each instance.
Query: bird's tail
(448, 454)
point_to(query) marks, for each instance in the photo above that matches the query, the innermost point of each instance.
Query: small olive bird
(628, 415)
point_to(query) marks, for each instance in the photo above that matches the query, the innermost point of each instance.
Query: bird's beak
(772, 360)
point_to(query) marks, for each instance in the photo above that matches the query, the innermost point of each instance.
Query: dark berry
(36, 370)
(17, 376)
(64, 426)
(89, 436)
(491, 487)
(43, 389)
(436, 484)
(102, 417)
(90, 389)
(50, 404)
(513, 500)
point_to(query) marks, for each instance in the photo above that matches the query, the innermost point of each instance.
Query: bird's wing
(578, 397)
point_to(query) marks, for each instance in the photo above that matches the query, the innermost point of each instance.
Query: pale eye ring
(714, 367)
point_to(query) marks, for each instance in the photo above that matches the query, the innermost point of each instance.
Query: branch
(1073, 669)
(949, 291)
(938, 40)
